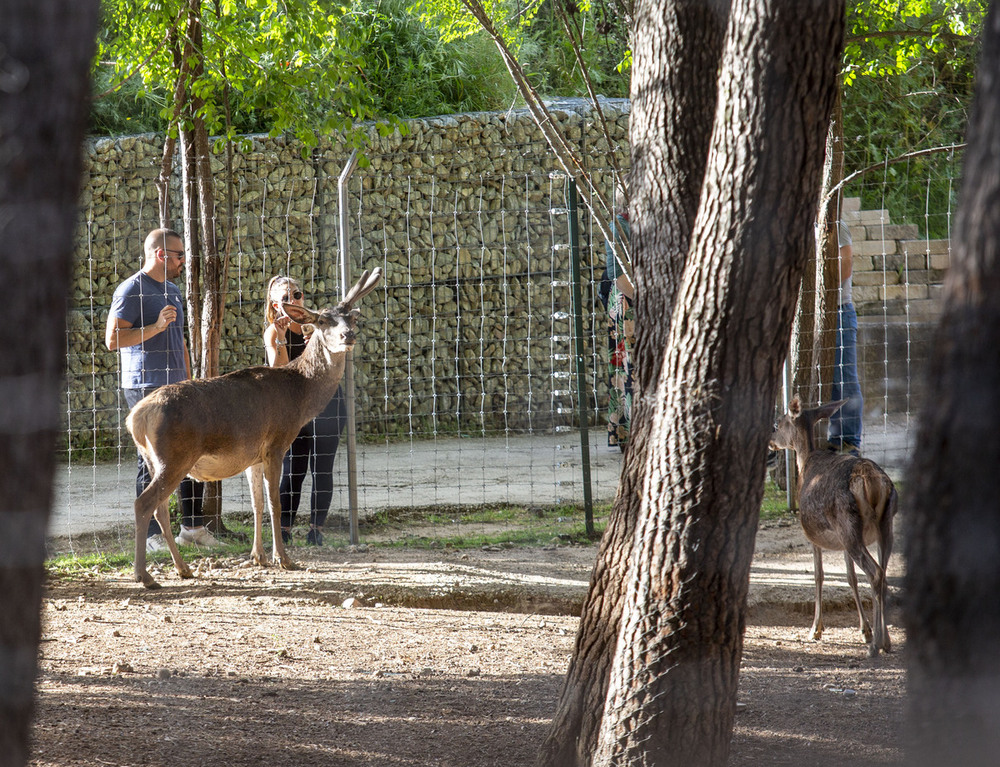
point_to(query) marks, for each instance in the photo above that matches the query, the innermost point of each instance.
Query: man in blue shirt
(146, 324)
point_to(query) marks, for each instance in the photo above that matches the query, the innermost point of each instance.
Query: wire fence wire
(465, 373)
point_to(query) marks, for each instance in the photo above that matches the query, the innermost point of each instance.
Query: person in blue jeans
(146, 325)
(844, 432)
(315, 447)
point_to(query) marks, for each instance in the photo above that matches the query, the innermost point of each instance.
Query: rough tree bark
(206, 269)
(952, 614)
(668, 164)
(45, 52)
(816, 321)
(672, 689)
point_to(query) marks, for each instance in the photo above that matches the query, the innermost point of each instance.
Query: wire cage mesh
(467, 392)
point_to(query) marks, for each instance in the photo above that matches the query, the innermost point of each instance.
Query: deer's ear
(827, 410)
(795, 407)
(299, 314)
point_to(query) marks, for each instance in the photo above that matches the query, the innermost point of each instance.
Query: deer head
(794, 430)
(336, 326)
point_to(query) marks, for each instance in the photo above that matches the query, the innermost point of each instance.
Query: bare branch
(567, 155)
(892, 161)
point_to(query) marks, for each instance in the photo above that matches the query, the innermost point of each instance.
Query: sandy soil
(417, 657)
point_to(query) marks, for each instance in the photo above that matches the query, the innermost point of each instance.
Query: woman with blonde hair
(316, 445)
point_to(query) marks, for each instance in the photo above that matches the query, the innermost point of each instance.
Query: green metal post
(581, 368)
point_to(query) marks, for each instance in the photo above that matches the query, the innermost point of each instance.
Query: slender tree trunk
(169, 142)
(163, 183)
(206, 271)
(827, 262)
(672, 689)
(952, 613)
(45, 52)
(668, 163)
(816, 321)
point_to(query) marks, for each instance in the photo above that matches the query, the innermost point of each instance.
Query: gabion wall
(466, 214)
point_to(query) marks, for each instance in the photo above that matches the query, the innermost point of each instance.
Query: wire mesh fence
(468, 394)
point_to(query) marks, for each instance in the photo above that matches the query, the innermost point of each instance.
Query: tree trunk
(45, 52)
(952, 613)
(206, 271)
(668, 164)
(672, 689)
(816, 321)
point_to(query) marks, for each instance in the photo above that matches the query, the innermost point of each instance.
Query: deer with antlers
(215, 428)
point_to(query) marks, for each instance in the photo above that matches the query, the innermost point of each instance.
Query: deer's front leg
(255, 478)
(272, 478)
(816, 632)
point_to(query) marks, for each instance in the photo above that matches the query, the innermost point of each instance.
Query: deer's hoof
(287, 564)
(816, 634)
(185, 572)
(147, 581)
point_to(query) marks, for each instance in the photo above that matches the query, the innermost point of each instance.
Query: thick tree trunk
(953, 540)
(668, 164)
(672, 690)
(45, 52)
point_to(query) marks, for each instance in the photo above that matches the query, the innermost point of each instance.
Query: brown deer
(845, 504)
(246, 420)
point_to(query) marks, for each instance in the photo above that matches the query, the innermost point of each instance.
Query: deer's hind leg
(858, 552)
(885, 542)
(852, 580)
(816, 632)
(154, 500)
(163, 518)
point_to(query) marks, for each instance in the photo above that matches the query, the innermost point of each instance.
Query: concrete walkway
(540, 469)
(535, 469)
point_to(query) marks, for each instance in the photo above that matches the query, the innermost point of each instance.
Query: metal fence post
(348, 380)
(578, 350)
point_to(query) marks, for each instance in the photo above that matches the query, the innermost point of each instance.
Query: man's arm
(846, 262)
(120, 333)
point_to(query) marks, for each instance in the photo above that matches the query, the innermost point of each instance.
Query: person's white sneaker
(198, 536)
(156, 543)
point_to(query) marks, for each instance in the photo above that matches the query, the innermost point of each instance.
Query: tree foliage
(887, 37)
(908, 73)
(279, 67)
(563, 47)
(411, 70)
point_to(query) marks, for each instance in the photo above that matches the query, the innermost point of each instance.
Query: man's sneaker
(197, 536)
(156, 543)
(314, 537)
(286, 535)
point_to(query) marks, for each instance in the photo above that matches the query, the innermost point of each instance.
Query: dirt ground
(418, 657)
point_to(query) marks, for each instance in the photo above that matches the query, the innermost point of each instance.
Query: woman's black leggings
(313, 450)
